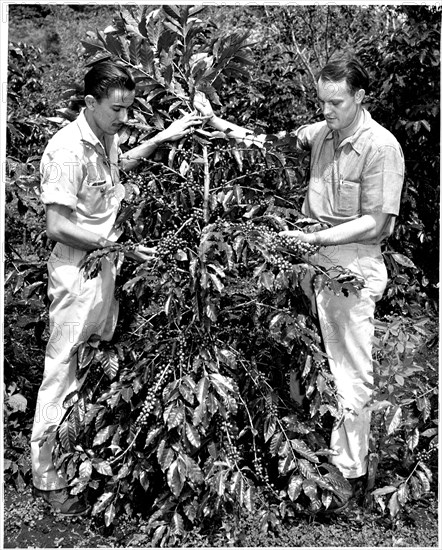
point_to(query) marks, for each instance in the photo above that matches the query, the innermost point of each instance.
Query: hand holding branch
(300, 235)
(142, 254)
(181, 127)
(203, 105)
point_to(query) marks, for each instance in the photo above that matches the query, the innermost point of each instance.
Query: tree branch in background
(301, 54)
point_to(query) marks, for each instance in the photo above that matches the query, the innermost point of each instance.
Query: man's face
(338, 105)
(110, 113)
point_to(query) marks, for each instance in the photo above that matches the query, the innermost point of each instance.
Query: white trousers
(347, 329)
(78, 309)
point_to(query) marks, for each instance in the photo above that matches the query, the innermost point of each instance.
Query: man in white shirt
(82, 194)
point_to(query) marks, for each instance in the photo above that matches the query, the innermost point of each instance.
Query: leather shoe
(358, 488)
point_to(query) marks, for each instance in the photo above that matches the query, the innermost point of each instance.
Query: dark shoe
(358, 489)
(63, 502)
(336, 507)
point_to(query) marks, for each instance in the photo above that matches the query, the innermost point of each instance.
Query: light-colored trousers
(347, 330)
(78, 309)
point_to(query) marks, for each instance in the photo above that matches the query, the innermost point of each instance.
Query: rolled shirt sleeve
(61, 177)
(307, 133)
(382, 180)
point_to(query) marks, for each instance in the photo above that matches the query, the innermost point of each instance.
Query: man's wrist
(157, 140)
(103, 242)
(315, 238)
(215, 121)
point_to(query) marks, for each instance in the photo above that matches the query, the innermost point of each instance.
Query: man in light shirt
(82, 194)
(356, 178)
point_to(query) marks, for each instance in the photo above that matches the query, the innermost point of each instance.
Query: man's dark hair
(106, 76)
(347, 68)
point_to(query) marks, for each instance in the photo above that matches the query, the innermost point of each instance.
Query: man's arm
(178, 129)
(232, 130)
(60, 228)
(367, 227)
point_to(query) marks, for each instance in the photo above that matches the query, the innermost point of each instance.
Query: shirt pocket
(349, 197)
(95, 197)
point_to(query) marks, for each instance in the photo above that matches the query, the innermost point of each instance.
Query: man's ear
(90, 101)
(359, 96)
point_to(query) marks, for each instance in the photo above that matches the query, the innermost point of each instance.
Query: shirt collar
(356, 140)
(359, 138)
(88, 135)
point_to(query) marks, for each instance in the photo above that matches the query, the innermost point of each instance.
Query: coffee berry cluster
(271, 408)
(277, 244)
(151, 401)
(168, 245)
(190, 182)
(295, 246)
(425, 455)
(261, 473)
(141, 185)
(281, 263)
(229, 429)
(130, 245)
(181, 356)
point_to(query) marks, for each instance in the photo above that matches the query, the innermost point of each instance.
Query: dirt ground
(31, 523)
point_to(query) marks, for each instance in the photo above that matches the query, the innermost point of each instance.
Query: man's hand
(301, 236)
(202, 104)
(142, 254)
(248, 137)
(178, 129)
(181, 127)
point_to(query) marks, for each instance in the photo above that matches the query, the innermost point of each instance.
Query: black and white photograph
(220, 274)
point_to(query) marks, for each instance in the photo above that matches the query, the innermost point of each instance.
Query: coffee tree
(215, 395)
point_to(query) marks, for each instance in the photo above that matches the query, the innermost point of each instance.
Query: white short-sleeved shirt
(363, 175)
(77, 172)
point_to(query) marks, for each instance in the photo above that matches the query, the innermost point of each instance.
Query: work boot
(63, 502)
(358, 488)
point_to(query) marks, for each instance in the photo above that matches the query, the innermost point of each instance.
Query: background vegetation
(273, 92)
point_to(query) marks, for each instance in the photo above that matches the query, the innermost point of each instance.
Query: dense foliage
(195, 409)
(405, 65)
